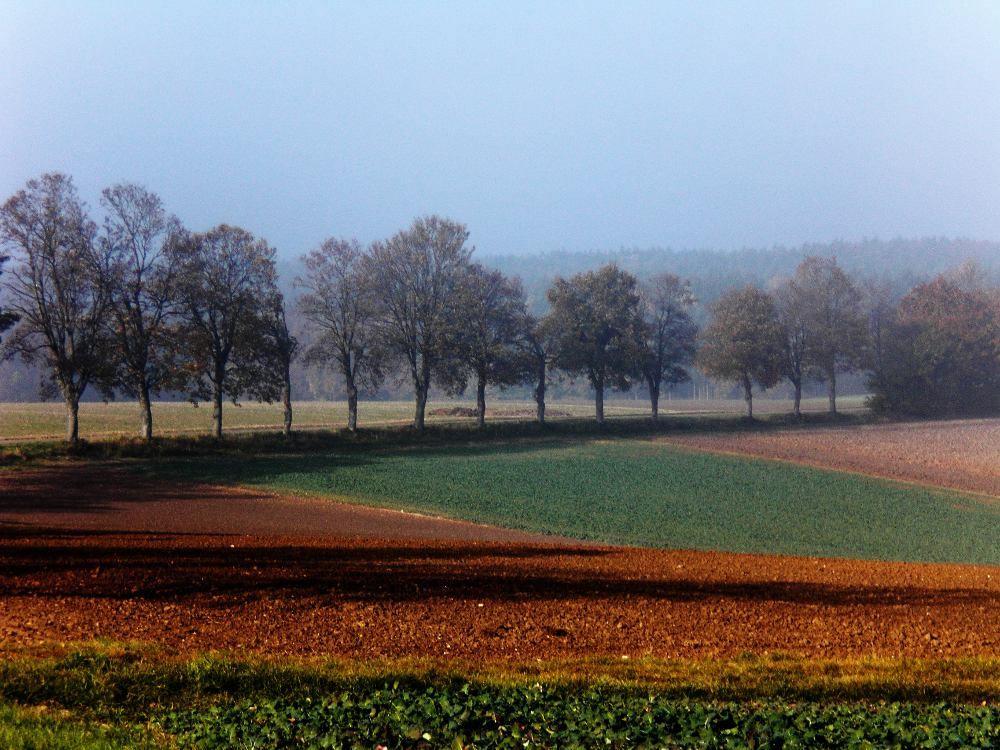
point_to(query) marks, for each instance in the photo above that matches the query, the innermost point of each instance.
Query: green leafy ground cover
(108, 696)
(538, 718)
(639, 493)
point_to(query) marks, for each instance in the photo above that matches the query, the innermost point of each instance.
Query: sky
(540, 126)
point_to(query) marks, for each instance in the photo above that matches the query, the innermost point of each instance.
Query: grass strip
(37, 727)
(30, 453)
(133, 683)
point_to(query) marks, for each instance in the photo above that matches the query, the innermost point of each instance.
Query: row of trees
(418, 302)
(419, 299)
(935, 351)
(812, 327)
(142, 306)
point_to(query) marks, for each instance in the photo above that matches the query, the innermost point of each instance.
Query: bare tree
(227, 286)
(832, 311)
(487, 331)
(7, 318)
(339, 305)
(281, 348)
(671, 334)
(55, 289)
(145, 251)
(794, 337)
(415, 277)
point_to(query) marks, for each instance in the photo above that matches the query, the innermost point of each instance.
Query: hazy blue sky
(541, 126)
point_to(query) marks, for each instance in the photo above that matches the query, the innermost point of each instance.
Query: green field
(639, 493)
(48, 420)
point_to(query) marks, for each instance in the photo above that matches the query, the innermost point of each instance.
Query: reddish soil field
(958, 454)
(368, 596)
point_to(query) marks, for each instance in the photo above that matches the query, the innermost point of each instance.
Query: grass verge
(118, 697)
(37, 727)
(105, 682)
(27, 453)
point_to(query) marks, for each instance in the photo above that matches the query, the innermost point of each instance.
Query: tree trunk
(748, 396)
(72, 419)
(217, 410)
(352, 405)
(420, 396)
(145, 413)
(599, 401)
(286, 400)
(421, 387)
(480, 401)
(654, 399)
(797, 409)
(540, 393)
(832, 384)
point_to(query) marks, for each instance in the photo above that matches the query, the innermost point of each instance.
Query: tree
(227, 286)
(743, 342)
(55, 289)
(880, 310)
(596, 329)
(281, 349)
(7, 318)
(340, 307)
(415, 277)
(833, 316)
(671, 334)
(145, 252)
(488, 329)
(536, 356)
(940, 353)
(794, 338)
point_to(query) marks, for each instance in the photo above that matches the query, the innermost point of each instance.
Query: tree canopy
(228, 278)
(416, 277)
(596, 329)
(941, 353)
(339, 304)
(55, 288)
(671, 335)
(743, 342)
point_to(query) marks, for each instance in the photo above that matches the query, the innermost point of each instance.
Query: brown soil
(958, 454)
(464, 598)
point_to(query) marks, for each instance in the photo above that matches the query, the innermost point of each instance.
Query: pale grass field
(47, 420)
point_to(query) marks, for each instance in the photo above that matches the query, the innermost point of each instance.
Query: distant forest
(900, 262)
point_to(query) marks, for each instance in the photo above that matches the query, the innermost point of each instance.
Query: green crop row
(108, 697)
(537, 718)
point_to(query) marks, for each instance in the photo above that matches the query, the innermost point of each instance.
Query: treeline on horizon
(142, 307)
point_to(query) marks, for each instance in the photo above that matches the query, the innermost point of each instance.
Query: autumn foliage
(942, 353)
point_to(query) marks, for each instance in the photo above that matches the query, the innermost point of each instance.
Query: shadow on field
(251, 470)
(83, 488)
(120, 567)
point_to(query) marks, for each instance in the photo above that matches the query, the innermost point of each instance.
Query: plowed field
(959, 454)
(368, 596)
